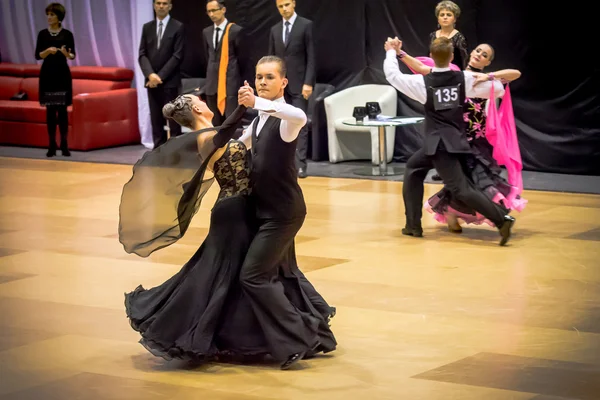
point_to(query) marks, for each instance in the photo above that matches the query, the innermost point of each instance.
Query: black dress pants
(449, 167)
(157, 98)
(287, 329)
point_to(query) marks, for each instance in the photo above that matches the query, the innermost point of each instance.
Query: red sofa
(104, 111)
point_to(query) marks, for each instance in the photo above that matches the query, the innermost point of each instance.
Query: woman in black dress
(447, 13)
(55, 45)
(201, 313)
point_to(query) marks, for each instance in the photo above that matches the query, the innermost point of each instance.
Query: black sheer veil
(167, 187)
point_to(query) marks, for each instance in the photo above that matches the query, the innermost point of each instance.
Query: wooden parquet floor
(442, 317)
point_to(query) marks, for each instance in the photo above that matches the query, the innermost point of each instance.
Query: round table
(383, 169)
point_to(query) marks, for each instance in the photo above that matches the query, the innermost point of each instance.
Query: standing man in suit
(161, 53)
(292, 40)
(223, 76)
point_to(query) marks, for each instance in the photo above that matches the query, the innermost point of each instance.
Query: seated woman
(482, 167)
(201, 313)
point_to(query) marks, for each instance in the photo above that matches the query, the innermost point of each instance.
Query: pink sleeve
(428, 61)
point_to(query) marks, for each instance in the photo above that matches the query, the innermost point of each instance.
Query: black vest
(274, 177)
(444, 112)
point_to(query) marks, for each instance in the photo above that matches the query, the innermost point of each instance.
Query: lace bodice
(232, 170)
(461, 57)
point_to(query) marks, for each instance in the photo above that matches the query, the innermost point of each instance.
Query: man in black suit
(443, 94)
(161, 53)
(292, 40)
(221, 95)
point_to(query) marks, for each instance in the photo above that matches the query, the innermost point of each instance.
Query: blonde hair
(441, 50)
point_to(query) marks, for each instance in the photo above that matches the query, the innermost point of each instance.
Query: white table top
(391, 121)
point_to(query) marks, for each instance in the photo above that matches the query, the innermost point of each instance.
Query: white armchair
(354, 142)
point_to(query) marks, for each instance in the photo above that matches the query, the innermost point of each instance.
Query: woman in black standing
(55, 45)
(447, 13)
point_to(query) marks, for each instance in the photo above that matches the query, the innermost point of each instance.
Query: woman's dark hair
(180, 110)
(58, 10)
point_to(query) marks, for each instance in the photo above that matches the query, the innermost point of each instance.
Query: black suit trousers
(287, 329)
(157, 98)
(302, 145)
(449, 167)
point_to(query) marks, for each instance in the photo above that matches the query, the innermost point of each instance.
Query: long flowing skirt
(202, 312)
(486, 175)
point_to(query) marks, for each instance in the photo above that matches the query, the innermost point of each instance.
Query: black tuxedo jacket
(234, 76)
(299, 54)
(166, 60)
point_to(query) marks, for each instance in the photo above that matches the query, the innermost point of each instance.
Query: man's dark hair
(221, 2)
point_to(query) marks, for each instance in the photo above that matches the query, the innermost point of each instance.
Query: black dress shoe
(505, 229)
(416, 232)
(436, 177)
(65, 152)
(302, 173)
(51, 152)
(293, 359)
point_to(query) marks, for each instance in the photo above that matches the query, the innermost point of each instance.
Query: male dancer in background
(443, 93)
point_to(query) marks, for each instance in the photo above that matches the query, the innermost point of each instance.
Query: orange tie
(222, 85)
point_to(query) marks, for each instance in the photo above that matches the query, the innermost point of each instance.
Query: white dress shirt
(221, 27)
(291, 21)
(165, 21)
(292, 119)
(414, 85)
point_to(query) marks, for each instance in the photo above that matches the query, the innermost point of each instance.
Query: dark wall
(556, 101)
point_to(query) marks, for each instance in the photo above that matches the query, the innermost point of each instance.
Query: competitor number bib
(446, 97)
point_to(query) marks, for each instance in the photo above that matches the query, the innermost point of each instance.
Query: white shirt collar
(222, 26)
(264, 113)
(165, 21)
(436, 69)
(291, 21)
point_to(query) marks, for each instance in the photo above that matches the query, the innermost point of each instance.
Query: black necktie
(217, 37)
(286, 36)
(160, 31)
